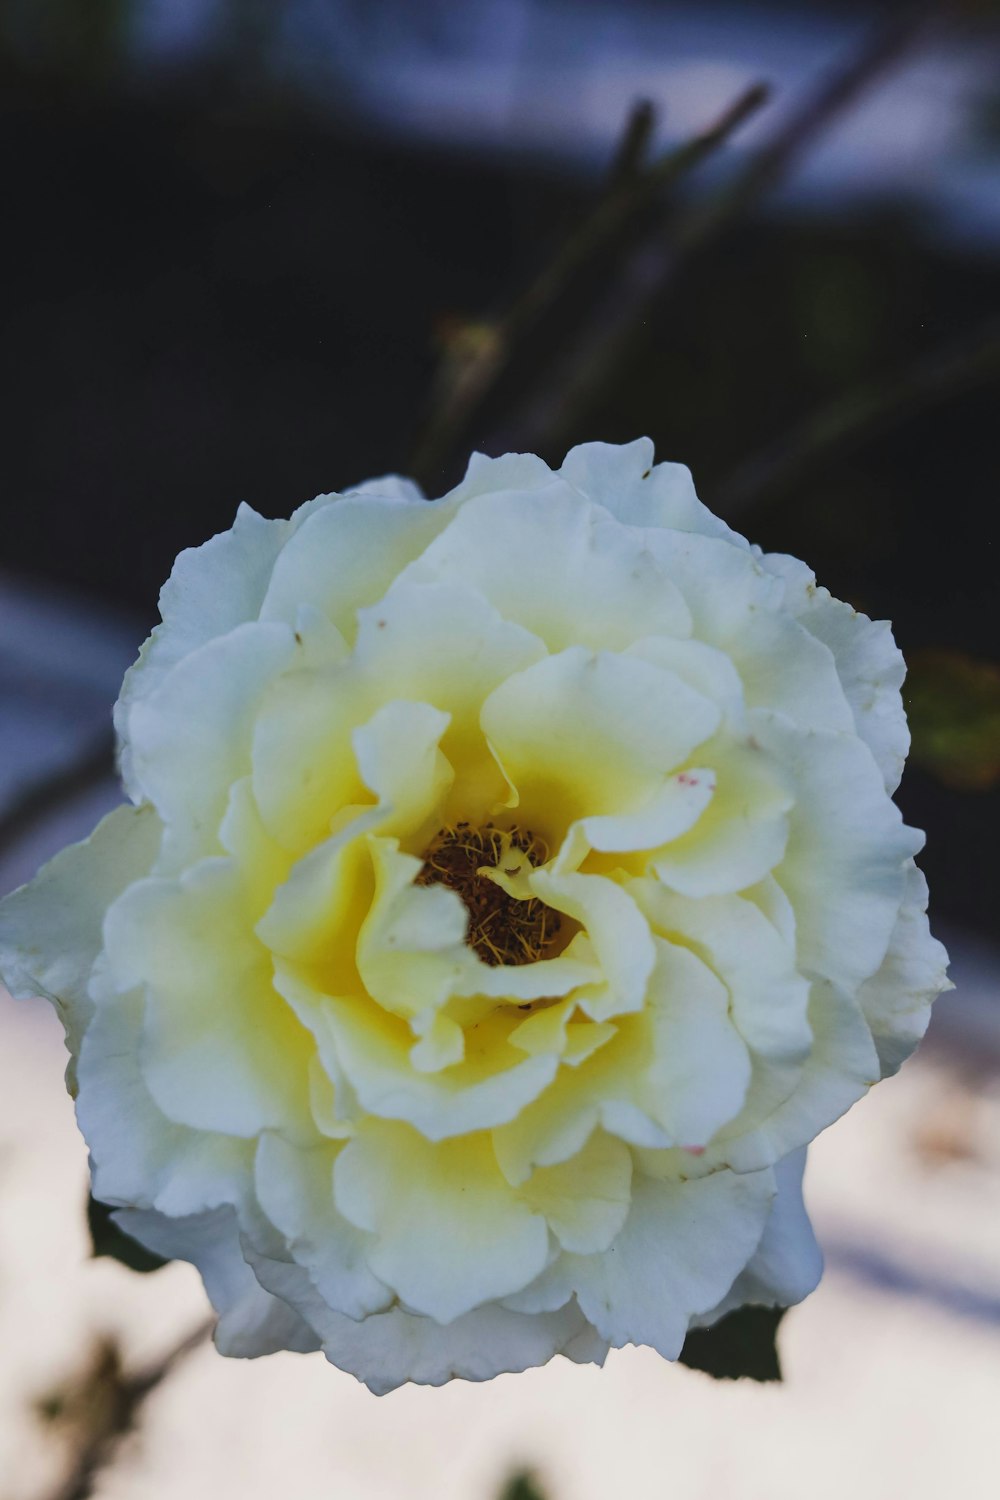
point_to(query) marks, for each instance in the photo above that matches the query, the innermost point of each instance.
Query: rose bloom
(511, 889)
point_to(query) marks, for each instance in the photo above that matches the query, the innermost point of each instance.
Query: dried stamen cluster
(502, 929)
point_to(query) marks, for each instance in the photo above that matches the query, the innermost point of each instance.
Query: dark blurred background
(241, 238)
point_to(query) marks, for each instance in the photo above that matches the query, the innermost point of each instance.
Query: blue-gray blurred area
(238, 235)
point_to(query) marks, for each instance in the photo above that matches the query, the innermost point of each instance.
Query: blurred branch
(634, 148)
(474, 366)
(844, 423)
(106, 1404)
(48, 794)
(621, 322)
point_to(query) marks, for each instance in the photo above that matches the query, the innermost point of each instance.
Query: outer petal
(389, 1349)
(839, 1070)
(295, 1190)
(211, 590)
(251, 1320)
(191, 736)
(346, 555)
(154, 1163)
(787, 1264)
(847, 851)
(869, 663)
(624, 480)
(221, 1050)
(50, 930)
(559, 566)
(896, 1001)
(681, 1249)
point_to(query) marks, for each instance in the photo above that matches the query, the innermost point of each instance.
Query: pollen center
(503, 929)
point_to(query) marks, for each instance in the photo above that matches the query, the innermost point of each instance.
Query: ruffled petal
(869, 663)
(562, 568)
(392, 1348)
(787, 1264)
(220, 1050)
(847, 852)
(586, 733)
(682, 1247)
(191, 736)
(295, 1190)
(896, 1001)
(50, 929)
(211, 590)
(624, 479)
(346, 554)
(449, 1232)
(251, 1321)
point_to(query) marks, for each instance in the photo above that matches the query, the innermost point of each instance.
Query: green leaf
(107, 1239)
(740, 1345)
(953, 705)
(522, 1486)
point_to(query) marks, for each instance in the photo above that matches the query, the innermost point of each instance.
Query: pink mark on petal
(684, 779)
(694, 1150)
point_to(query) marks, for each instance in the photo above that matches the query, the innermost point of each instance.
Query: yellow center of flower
(502, 928)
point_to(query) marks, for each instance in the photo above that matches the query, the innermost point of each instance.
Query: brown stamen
(502, 929)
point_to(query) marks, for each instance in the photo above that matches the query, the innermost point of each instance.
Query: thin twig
(115, 1409)
(621, 322)
(634, 148)
(472, 373)
(844, 423)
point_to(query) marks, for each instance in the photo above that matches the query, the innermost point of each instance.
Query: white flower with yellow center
(512, 889)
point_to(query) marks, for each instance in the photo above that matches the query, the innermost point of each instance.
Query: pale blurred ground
(892, 1367)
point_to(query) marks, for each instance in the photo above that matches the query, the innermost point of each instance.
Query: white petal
(845, 863)
(512, 471)
(50, 929)
(787, 1264)
(839, 1070)
(870, 665)
(449, 1232)
(785, 668)
(616, 929)
(295, 1190)
(682, 1247)
(768, 995)
(444, 644)
(584, 1200)
(389, 1349)
(221, 1050)
(625, 481)
(742, 833)
(562, 568)
(346, 555)
(251, 1320)
(371, 1052)
(139, 1157)
(191, 736)
(389, 487)
(700, 1069)
(303, 763)
(587, 733)
(211, 590)
(896, 1001)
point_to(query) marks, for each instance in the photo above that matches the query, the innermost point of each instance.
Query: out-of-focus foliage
(107, 1239)
(522, 1486)
(740, 1346)
(953, 702)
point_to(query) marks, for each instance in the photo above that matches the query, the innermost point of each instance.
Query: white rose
(512, 890)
